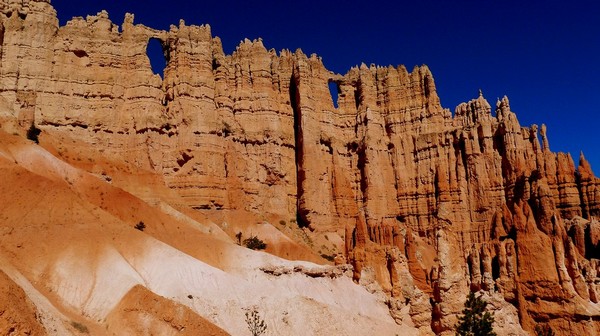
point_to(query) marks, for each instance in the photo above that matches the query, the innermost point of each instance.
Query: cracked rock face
(427, 204)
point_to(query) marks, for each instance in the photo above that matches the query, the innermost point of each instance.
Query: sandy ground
(17, 312)
(141, 310)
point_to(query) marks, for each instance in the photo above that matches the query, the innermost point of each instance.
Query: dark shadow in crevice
(301, 212)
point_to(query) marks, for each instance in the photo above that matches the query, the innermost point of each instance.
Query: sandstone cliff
(424, 204)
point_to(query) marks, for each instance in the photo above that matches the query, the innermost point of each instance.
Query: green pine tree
(475, 321)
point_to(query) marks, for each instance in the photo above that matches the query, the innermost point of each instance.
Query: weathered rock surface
(425, 205)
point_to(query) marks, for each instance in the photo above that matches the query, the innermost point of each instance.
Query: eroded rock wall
(426, 204)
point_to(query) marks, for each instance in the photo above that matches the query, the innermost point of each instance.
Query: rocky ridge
(424, 204)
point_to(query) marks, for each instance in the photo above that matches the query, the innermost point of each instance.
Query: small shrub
(80, 327)
(254, 243)
(238, 236)
(328, 257)
(475, 321)
(33, 133)
(544, 330)
(140, 226)
(282, 222)
(256, 324)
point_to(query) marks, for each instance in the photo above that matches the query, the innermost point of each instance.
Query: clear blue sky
(545, 55)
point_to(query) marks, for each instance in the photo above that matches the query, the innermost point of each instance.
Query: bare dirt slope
(141, 310)
(18, 315)
(70, 235)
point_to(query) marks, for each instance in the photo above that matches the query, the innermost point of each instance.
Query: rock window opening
(156, 54)
(334, 90)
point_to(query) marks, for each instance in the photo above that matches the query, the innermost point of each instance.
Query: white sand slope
(291, 304)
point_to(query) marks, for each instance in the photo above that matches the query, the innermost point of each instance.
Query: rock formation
(425, 205)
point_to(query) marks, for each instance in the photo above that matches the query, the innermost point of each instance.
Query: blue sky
(545, 55)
